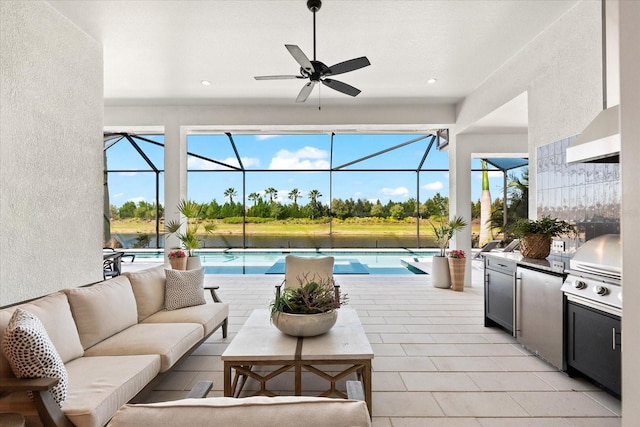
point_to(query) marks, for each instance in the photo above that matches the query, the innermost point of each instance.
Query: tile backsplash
(584, 194)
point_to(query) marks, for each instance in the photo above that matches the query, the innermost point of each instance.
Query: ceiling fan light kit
(316, 71)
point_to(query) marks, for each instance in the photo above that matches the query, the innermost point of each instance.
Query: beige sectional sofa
(115, 340)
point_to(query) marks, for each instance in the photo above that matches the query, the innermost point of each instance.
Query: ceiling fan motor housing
(314, 5)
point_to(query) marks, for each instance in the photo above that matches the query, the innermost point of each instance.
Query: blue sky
(285, 162)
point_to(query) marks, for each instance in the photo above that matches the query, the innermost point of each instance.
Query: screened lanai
(323, 190)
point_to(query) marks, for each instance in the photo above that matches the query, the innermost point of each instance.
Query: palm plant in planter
(536, 236)
(194, 217)
(443, 232)
(309, 309)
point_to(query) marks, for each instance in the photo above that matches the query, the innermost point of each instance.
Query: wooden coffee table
(259, 343)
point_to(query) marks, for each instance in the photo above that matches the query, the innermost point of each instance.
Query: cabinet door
(499, 298)
(539, 309)
(593, 346)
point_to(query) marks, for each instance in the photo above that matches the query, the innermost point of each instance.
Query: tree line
(266, 206)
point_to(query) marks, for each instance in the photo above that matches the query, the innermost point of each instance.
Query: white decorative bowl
(304, 325)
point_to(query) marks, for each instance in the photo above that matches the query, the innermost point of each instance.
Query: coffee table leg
(366, 379)
(227, 379)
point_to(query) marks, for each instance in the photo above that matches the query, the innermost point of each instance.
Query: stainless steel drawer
(501, 265)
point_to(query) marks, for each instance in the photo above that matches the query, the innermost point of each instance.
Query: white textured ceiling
(157, 52)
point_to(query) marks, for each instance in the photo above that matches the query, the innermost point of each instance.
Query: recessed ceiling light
(205, 82)
(432, 81)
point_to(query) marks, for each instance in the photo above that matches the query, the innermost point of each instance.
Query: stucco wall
(51, 114)
(561, 72)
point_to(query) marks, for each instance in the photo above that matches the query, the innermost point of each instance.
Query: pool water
(272, 262)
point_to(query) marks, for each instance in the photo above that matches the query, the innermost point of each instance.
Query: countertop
(553, 263)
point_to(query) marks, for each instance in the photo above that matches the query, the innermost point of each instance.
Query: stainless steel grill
(595, 275)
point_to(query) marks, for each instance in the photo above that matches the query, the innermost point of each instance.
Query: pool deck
(435, 364)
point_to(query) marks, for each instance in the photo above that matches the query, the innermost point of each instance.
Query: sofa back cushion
(148, 288)
(55, 314)
(258, 411)
(102, 310)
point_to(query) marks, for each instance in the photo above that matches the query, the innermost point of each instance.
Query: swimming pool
(249, 261)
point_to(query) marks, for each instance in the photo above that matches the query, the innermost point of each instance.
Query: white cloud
(127, 173)
(492, 174)
(433, 186)
(398, 191)
(137, 199)
(200, 164)
(265, 137)
(304, 158)
(116, 196)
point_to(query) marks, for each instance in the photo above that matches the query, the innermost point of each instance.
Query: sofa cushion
(169, 340)
(98, 386)
(55, 315)
(259, 411)
(209, 315)
(31, 353)
(184, 288)
(148, 288)
(103, 309)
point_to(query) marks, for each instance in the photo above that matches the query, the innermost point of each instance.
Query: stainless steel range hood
(600, 141)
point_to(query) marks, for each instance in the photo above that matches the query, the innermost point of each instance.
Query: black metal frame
(435, 139)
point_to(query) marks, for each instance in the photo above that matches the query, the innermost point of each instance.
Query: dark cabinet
(593, 345)
(499, 284)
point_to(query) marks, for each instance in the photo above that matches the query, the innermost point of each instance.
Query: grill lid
(600, 255)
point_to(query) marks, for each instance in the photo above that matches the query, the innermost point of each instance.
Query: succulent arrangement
(312, 297)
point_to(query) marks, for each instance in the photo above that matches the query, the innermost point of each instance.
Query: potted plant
(443, 232)
(307, 310)
(178, 259)
(536, 236)
(187, 231)
(457, 264)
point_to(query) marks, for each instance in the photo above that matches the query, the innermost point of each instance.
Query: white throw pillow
(184, 288)
(31, 353)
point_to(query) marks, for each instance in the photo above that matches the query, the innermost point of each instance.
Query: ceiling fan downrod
(314, 6)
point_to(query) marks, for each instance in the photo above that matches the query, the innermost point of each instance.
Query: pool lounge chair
(489, 247)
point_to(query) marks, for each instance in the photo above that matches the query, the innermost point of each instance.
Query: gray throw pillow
(31, 353)
(184, 288)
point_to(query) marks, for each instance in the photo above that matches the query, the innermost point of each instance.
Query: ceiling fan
(315, 70)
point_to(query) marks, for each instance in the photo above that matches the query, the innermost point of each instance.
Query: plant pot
(193, 262)
(178, 263)
(537, 246)
(304, 325)
(456, 269)
(440, 277)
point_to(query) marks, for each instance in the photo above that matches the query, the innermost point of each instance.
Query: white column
(460, 197)
(630, 212)
(175, 176)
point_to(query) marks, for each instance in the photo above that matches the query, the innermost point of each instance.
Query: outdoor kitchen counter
(553, 263)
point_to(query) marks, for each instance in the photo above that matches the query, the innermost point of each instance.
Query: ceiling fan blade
(346, 66)
(280, 77)
(341, 87)
(299, 56)
(305, 92)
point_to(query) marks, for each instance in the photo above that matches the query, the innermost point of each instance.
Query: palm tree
(485, 207)
(230, 193)
(314, 195)
(270, 192)
(294, 195)
(254, 197)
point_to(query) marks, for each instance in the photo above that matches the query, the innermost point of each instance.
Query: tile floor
(435, 363)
